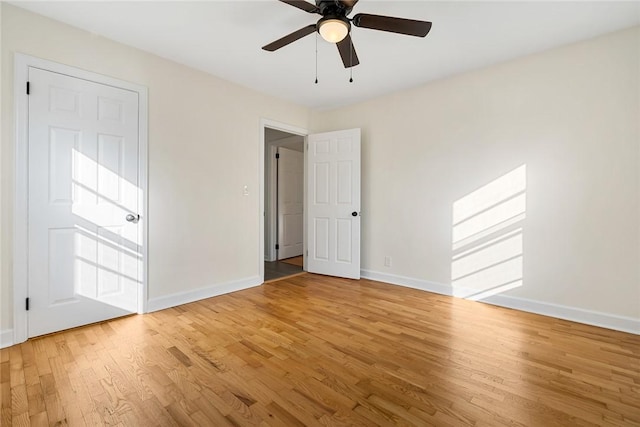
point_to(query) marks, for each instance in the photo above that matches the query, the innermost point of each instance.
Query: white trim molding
(21, 211)
(579, 315)
(407, 282)
(588, 317)
(6, 338)
(180, 298)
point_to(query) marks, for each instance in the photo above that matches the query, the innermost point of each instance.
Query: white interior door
(85, 262)
(333, 203)
(290, 202)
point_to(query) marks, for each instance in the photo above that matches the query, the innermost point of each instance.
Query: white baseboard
(6, 338)
(180, 298)
(408, 282)
(594, 318)
(589, 317)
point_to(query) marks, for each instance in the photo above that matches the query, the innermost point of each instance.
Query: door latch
(133, 218)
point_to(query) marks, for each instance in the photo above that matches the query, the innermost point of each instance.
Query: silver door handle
(133, 218)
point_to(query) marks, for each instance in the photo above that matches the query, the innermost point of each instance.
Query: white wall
(570, 114)
(6, 335)
(203, 148)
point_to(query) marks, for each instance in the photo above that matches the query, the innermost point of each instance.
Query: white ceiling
(225, 38)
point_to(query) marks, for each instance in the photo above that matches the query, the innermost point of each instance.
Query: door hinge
(277, 155)
(277, 246)
(28, 88)
(307, 253)
(27, 304)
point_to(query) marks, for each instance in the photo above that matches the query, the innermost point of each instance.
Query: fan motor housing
(332, 7)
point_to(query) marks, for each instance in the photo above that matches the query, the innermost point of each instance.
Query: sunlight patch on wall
(487, 237)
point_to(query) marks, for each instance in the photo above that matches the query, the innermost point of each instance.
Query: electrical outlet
(387, 261)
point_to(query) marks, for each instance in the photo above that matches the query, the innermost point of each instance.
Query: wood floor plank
(313, 350)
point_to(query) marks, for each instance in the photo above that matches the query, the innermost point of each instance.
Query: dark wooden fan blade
(290, 38)
(409, 27)
(301, 4)
(348, 52)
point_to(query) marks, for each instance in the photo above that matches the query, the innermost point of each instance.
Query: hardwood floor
(312, 350)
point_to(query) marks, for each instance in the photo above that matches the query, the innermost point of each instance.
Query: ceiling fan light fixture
(333, 29)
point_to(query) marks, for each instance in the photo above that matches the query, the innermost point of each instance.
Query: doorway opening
(330, 201)
(284, 195)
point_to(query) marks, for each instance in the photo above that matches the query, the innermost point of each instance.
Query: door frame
(271, 209)
(272, 124)
(21, 196)
(275, 209)
(272, 230)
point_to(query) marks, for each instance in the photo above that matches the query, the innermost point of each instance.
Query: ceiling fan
(335, 26)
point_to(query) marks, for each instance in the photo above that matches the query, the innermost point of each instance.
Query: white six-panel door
(290, 202)
(85, 262)
(333, 203)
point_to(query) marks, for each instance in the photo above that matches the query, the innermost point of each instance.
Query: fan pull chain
(351, 58)
(316, 57)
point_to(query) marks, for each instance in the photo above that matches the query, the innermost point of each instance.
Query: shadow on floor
(278, 269)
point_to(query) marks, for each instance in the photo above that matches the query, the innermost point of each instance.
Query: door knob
(133, 218)
(354, 213)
